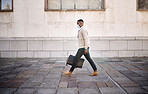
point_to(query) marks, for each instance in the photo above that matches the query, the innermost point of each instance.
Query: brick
(4, 31)
(132, 10)
(89, 91)
(16, 30)
(110, 84)
(34, 45)
(129, 85)
(52, 45)
(71, 32)
(111, 90)
(50, 85)
(52, 17)
(25, 91)
(20, 14)
(21, 80)
(7, 90)
(135, 90)
(109, 53)
(67, 91)
(99, 45)
(145, 28)
(35, 4)
(134, 29)
(30, 85)
(72, 84)
(70, 45)
(109, 15)
(46, 91)
(29, 72)
(18, 45)
(4, 45)
(37, 17)
(20, 4)
(141, 53)
(9, 54)
(145, 45)
(87, 85)
(37, 30)
(125, 82)
(109, 30)
(25, 54)
(63, 84)
(134, 45)
(58, 54)
(126, 53)
(101, 84)
(42, 54)
(114, 45)
(57, 30)
(120, 29)
(95, 53)
(6, 17)
(120, 15)
(71, 52)
(36, 78)
(65, 79)
(92, 28)
(14, 84)
(69, 20)
(44, 70)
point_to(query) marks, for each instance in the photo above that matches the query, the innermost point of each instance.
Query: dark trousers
(80, 52)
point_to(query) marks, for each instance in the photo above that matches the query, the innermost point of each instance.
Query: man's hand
(85, 51)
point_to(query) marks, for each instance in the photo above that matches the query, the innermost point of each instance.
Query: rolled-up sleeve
(86, 38)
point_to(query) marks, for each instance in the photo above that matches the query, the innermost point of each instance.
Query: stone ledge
(50, 54)
(74, 38)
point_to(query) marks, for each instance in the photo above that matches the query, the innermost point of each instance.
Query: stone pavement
(44, 76)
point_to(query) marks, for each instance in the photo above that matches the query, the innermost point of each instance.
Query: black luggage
(70, 61)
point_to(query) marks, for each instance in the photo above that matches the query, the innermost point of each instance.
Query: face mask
(78, 26)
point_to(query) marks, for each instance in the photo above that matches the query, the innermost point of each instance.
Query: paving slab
(7, 90)
(30, 85)
(67, 91)
(86, 84)
(46, 91)
(136, 90)
(111, 90)
(89, 91)
(25, 91)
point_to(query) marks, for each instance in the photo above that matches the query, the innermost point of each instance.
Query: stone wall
(29, 31)
(63, 47)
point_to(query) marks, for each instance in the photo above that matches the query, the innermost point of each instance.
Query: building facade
(33, 29)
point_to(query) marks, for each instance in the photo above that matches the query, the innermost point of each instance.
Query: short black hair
(80, 20)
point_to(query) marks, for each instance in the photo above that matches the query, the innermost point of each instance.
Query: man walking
(83, 41)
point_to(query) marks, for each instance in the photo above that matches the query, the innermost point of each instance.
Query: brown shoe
(68, 73)
(94, 74)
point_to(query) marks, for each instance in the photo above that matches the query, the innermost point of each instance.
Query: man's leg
(78, 55)
(87, 56)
